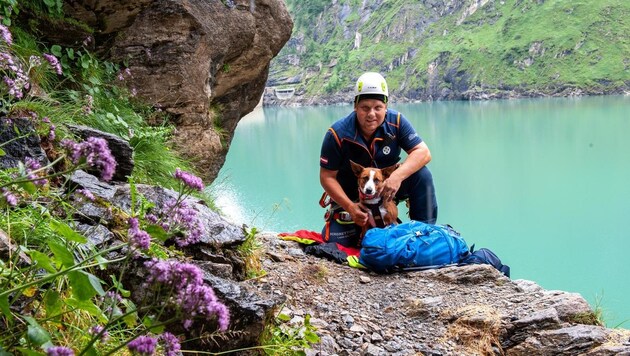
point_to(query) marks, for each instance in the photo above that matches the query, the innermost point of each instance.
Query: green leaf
(43, 261)
(56, 50)
(62, 254)
(2, 153)
(28, 352)
(87, 306)
(28, 186)
(53, 304)
(70, 52)
(35, 333)
(157, 232)
(311, 337)
(131, 319)
(94, 80)
(284, 317)
(119, 287)
(4, 308)
(66, 231)
(84, 285)
(85, 61)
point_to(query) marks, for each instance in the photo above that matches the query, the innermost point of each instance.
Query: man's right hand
(358, 214)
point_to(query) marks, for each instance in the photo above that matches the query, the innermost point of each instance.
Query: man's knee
(422, 199)
(346, 234)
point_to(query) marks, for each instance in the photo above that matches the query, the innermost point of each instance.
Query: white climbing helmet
(371, 85)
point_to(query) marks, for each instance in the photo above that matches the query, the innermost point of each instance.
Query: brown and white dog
(380, 212)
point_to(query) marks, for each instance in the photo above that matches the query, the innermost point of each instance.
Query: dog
(381, 213)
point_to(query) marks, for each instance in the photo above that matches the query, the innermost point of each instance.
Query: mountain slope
(458, 49)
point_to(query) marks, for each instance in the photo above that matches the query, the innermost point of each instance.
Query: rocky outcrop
(467, 310)
(204, 62)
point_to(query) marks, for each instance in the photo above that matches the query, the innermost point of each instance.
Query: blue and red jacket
(343, 142)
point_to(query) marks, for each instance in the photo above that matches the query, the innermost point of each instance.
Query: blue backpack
(485, 256)
(411, 244)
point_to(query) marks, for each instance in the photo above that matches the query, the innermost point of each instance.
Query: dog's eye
(376, 180)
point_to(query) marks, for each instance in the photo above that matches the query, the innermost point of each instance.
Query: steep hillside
(457, 49)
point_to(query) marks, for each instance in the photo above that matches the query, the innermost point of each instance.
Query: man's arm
(328, 180)
(418, 157)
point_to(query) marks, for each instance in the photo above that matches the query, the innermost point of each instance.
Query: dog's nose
(369, 190)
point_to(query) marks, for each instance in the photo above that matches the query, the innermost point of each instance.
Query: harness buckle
(345, 216)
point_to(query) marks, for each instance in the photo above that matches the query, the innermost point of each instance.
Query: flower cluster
(16, 79)
(143, 345)
(98, 330)
(6, 35)
(97, 155)
(59, 351)
(86, 193)
(181, 218)
(190, 295)
(171, 344)
(54, 62)
(31, 166)
(89, 105)
(138, 238)
(9, 197)
(189, 179)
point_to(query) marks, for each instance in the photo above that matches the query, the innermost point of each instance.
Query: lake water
(544, 183)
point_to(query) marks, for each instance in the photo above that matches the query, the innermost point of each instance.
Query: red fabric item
(305, 234)
(317, 237)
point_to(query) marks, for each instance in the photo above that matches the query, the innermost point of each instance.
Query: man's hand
(390, 187)
(358, 214)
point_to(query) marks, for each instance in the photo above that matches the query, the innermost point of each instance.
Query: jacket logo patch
(323, 160)
(386, 150)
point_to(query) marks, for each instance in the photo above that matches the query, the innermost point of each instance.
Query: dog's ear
(356, 168)
(388, 171)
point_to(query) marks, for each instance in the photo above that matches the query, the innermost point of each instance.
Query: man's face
(370, 115)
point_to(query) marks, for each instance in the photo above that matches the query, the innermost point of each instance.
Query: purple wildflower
(139, 238)
(59, 351)
(54, 62)
(45, 119)
(184, 219)
(87, 108)
(171, 344)
(6, 35)
(9, 197)
(18, 81)
(86, 193)
(31, 166)
(52, 133)
(100, 330)
(143, 345)
(191, 296)
(87, 41)
(189, 179)
(35, 61)
(134, 92)
(96, 153)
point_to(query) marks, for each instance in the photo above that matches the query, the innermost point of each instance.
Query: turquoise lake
(544, 183)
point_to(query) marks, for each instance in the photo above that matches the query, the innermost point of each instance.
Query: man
(373, 136)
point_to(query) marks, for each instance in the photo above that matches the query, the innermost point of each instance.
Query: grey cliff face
(204, 62)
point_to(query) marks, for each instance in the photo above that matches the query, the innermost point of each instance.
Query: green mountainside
(458, 49)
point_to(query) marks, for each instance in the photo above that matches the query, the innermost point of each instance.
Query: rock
(120, 148)
(364, 279)
(80, 179)
(573, 340)
(19, 140)
(188, 57)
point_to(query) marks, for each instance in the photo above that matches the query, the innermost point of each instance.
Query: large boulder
(204, 62)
